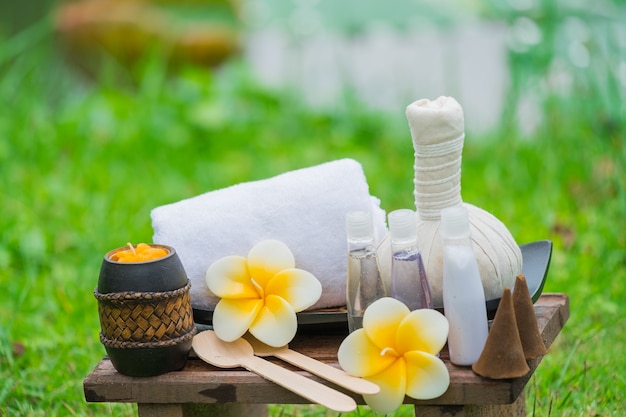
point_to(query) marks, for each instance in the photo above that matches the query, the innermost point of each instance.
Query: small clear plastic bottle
(364, 283)
(463, 293)
(409, 283)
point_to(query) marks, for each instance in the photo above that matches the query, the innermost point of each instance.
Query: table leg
(516, 409)
(160, 410)
(202, 410)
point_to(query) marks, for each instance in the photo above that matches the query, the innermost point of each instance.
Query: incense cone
(503, 355)
(526, 320)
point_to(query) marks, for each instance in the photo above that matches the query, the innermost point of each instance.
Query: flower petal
(228, 278)
(276, 323)
(392, 383)
(268, 258)
(358, 356)
(423, 330)
(427, 376)
(381, 320)
(298, 287)
(233, 317)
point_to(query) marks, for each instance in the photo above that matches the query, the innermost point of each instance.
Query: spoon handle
(330, 373)
(305, 387)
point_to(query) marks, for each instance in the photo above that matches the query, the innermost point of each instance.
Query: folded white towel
(305, 209)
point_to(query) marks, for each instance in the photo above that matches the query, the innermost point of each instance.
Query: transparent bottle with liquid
(463, 293)
(409, 283)
(364, 283)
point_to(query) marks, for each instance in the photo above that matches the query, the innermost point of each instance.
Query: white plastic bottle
(463, 294)
(408, 275)
(364, 283)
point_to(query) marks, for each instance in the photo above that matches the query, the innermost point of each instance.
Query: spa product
(304, 208)
(398, 350)
(321, 369)
(217, 352)
(145, 313)
(503, 355)
(526, 320)
(409, 283)
(364, 283)
(261, 293)
(463, 295)
(437, 130)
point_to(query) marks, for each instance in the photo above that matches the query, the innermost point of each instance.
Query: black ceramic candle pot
(145, 314)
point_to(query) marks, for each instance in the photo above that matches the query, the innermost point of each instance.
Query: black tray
(536, 261)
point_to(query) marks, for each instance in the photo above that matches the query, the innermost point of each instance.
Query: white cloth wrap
(304, 208)
(437, 129)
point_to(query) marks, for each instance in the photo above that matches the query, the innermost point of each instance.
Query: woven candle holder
(145, 314)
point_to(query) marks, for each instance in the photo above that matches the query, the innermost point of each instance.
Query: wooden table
(202, 389)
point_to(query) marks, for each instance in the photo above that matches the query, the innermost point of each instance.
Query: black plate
(536, 261)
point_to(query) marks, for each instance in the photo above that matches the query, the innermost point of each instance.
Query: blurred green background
(106, 115)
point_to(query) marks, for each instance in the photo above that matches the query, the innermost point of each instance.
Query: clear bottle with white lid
(409, 283)
(463, 293)
(364, 283)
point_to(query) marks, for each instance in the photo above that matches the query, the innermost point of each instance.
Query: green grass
(82, 164)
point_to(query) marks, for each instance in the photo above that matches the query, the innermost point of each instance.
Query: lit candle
(140, 253)
(144, 307)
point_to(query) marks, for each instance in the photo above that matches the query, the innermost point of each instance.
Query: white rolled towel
(305, 209)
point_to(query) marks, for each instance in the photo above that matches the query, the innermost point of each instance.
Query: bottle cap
(455, 222)
(402, 226)
(359, 225)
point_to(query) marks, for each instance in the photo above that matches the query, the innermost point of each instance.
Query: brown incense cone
(526, 320)
(502, 356)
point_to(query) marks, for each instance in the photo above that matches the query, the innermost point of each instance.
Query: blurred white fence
(388, 69)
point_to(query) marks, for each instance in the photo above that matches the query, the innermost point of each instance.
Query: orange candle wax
(140, 253)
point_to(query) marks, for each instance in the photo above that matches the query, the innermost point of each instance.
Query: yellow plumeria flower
(397, 350)
(261, 293)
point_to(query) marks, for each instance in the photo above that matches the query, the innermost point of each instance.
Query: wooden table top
(200, 382)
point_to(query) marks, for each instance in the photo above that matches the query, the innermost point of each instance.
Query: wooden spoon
(315, 367)
(217, 352)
